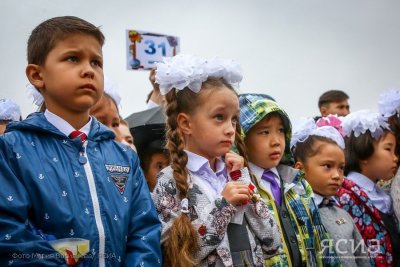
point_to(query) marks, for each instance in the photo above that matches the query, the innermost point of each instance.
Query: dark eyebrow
(331, 161)
(258, 128)
(390, 143)
(77, 51)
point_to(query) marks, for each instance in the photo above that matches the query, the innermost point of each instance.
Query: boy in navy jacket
(61, 173)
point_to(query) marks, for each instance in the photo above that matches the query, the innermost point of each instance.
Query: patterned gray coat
(210, 216)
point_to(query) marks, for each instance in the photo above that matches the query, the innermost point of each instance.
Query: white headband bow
(189, 71)
(359, 122)
(307, 127)
(389, 103)
(9, 110)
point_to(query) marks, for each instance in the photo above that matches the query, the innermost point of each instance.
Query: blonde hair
(182, 245)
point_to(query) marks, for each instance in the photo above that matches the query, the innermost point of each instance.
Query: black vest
(289, 234)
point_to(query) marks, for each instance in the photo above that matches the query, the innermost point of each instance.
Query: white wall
(293, 50)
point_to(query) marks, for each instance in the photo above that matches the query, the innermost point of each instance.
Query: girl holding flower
(209, 211)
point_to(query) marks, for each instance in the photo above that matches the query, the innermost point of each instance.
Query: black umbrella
(148, 128)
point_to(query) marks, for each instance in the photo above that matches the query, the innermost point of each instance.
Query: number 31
(151, 50)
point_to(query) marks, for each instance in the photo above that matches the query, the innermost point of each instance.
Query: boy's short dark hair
(357, 149)
(157, 146)
(45, 36)
(332, 96)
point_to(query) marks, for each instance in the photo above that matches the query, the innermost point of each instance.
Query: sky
(292, 50)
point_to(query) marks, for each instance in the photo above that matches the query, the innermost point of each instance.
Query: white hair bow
(189, 71)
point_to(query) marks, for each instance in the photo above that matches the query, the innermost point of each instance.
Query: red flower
(235, 175)
(251, 187)
(202, 230)
(369, 232)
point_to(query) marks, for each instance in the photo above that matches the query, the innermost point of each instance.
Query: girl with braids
(209, 211)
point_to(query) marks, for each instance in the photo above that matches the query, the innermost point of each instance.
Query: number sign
(145, 48)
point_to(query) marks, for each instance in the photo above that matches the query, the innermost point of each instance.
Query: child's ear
(299, 165)
(183, 123)
(323, 111)
(33, 73)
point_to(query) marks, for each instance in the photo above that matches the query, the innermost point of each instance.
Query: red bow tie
(75, 134)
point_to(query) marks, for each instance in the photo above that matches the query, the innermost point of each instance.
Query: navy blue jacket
(47, 191)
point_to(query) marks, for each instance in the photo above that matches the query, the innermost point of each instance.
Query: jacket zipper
(96, 207)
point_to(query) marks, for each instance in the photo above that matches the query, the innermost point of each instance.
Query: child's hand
(156, 96)
(152, 78)
(233, 161)
(237, 193)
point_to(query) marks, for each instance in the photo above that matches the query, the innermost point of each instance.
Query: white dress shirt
(318, 199)
(258, 172)
(63, 126)
(215, 181)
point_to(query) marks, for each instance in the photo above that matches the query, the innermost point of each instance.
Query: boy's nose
(88, 71)
(275, 141)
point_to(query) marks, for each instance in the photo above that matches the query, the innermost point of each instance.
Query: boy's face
(341, 108)
(324, 170)
(265, 142)
(71, 79)
(158, 161)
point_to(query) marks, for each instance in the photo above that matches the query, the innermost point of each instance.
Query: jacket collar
(37, 122)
